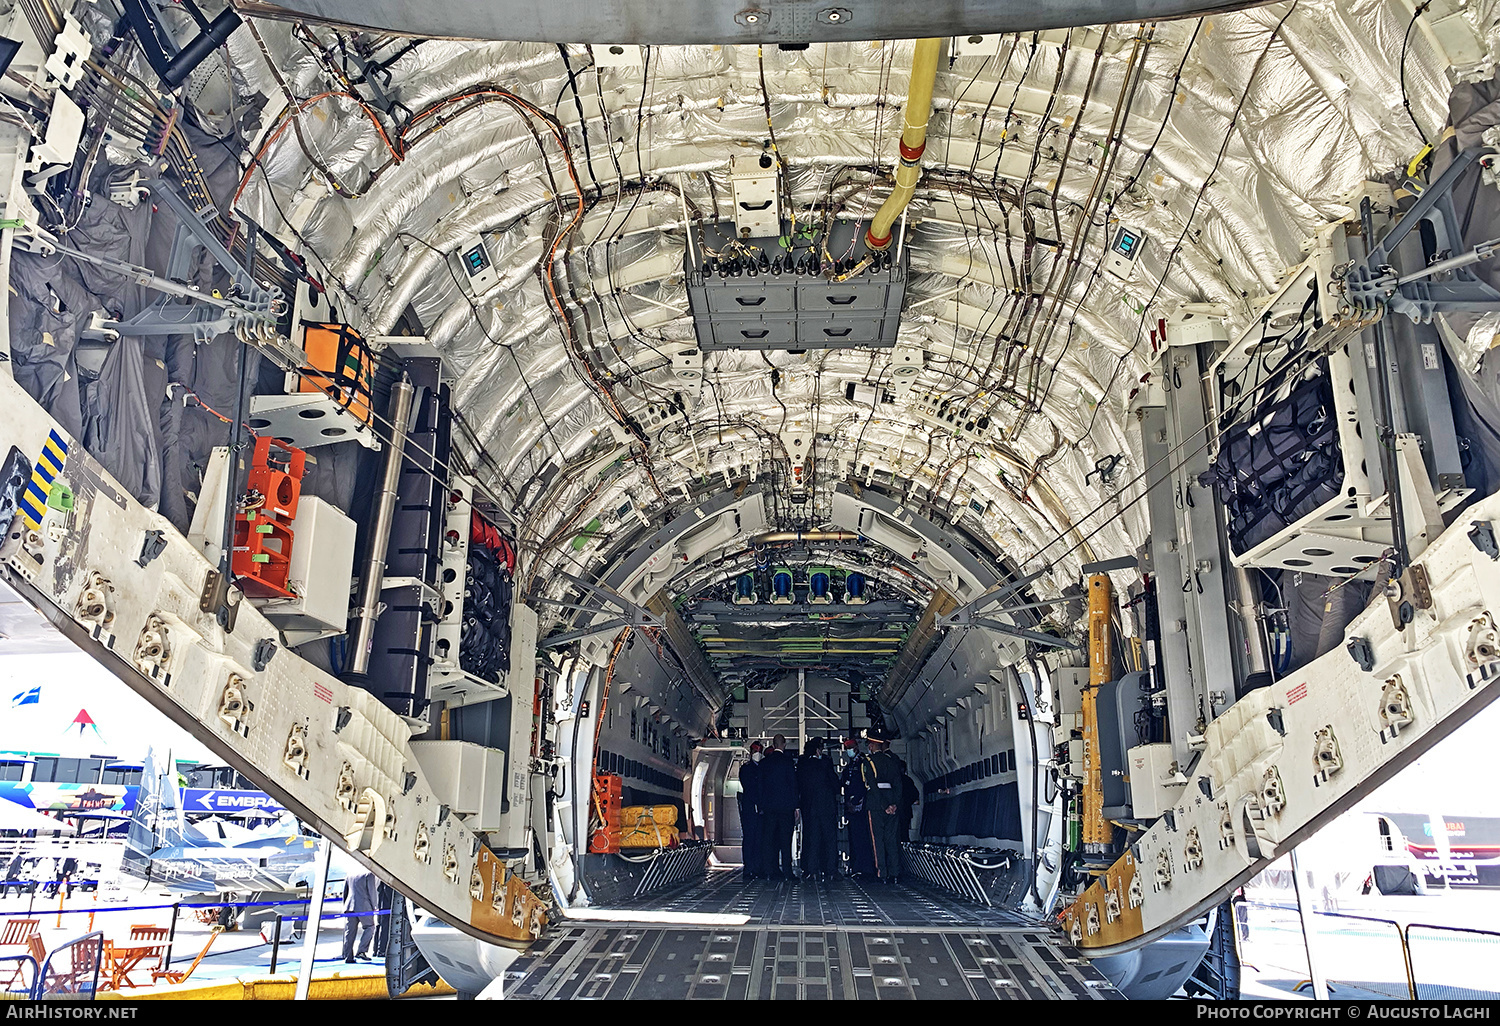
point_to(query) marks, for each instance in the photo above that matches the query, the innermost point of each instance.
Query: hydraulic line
(380, 531)
(913, 141)
(805, 536)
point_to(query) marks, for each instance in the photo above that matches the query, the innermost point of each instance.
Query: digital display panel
(476, 260)
(1126, 243)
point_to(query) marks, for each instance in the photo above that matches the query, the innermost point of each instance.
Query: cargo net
(484, 642)
(1279, 457)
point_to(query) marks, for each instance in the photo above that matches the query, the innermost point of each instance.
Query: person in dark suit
(818, 798)
(752, 821)
(778, 803)
(359, 903)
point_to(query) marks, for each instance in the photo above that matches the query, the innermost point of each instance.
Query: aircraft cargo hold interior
(539, 448)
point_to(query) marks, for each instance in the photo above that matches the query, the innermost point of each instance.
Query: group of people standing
(876, 793)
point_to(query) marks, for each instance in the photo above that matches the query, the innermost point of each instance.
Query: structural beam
(909, 661)
(710, 21)
(700, 674)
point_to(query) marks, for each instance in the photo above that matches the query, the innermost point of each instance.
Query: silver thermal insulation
(1226, 140)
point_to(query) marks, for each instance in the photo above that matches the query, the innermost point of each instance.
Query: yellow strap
(1416, 162)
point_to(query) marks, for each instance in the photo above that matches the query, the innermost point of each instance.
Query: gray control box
(792, 310)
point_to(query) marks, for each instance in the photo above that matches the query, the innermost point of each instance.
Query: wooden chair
(175, 976)
(146, 950)
(81, 972)
(38, 952)
(18, 930)
(147, 932)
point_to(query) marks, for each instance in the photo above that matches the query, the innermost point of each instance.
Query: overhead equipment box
(753, 293)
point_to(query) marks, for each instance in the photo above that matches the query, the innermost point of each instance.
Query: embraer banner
(228, 803)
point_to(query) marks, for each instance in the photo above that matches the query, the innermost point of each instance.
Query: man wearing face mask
(751, 831)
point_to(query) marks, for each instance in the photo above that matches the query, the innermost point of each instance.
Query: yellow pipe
(1097, 831)
(924, 67)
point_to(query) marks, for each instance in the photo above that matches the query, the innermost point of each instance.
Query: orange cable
(304, 105)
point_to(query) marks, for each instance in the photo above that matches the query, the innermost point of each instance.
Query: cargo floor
(776, 963)
(844, 940)
(843, 902)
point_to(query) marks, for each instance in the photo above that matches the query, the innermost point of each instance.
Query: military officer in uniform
(881, 773)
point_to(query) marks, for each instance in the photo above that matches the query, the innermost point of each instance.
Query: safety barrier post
(62, 895)
(171, 936)
(1314, 971)
(1411, 977)
(314, 919)
(276, 943)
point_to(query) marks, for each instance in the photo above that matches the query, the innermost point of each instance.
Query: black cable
(1125, 191)
(583, 124)
(1406, 42)
(640, 110)
(1188, 223)
(521, 371)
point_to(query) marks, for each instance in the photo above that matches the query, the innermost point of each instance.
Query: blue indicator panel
(476, 260)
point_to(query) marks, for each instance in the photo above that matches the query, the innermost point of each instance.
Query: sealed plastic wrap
(649, 835)
(647, 815)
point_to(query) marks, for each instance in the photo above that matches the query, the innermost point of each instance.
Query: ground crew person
(881, 773)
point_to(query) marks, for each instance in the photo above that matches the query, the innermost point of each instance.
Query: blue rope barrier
(151, 908)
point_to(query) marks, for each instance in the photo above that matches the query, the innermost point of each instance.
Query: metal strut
(635, 615)
(1444, 284)
(250, 307)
